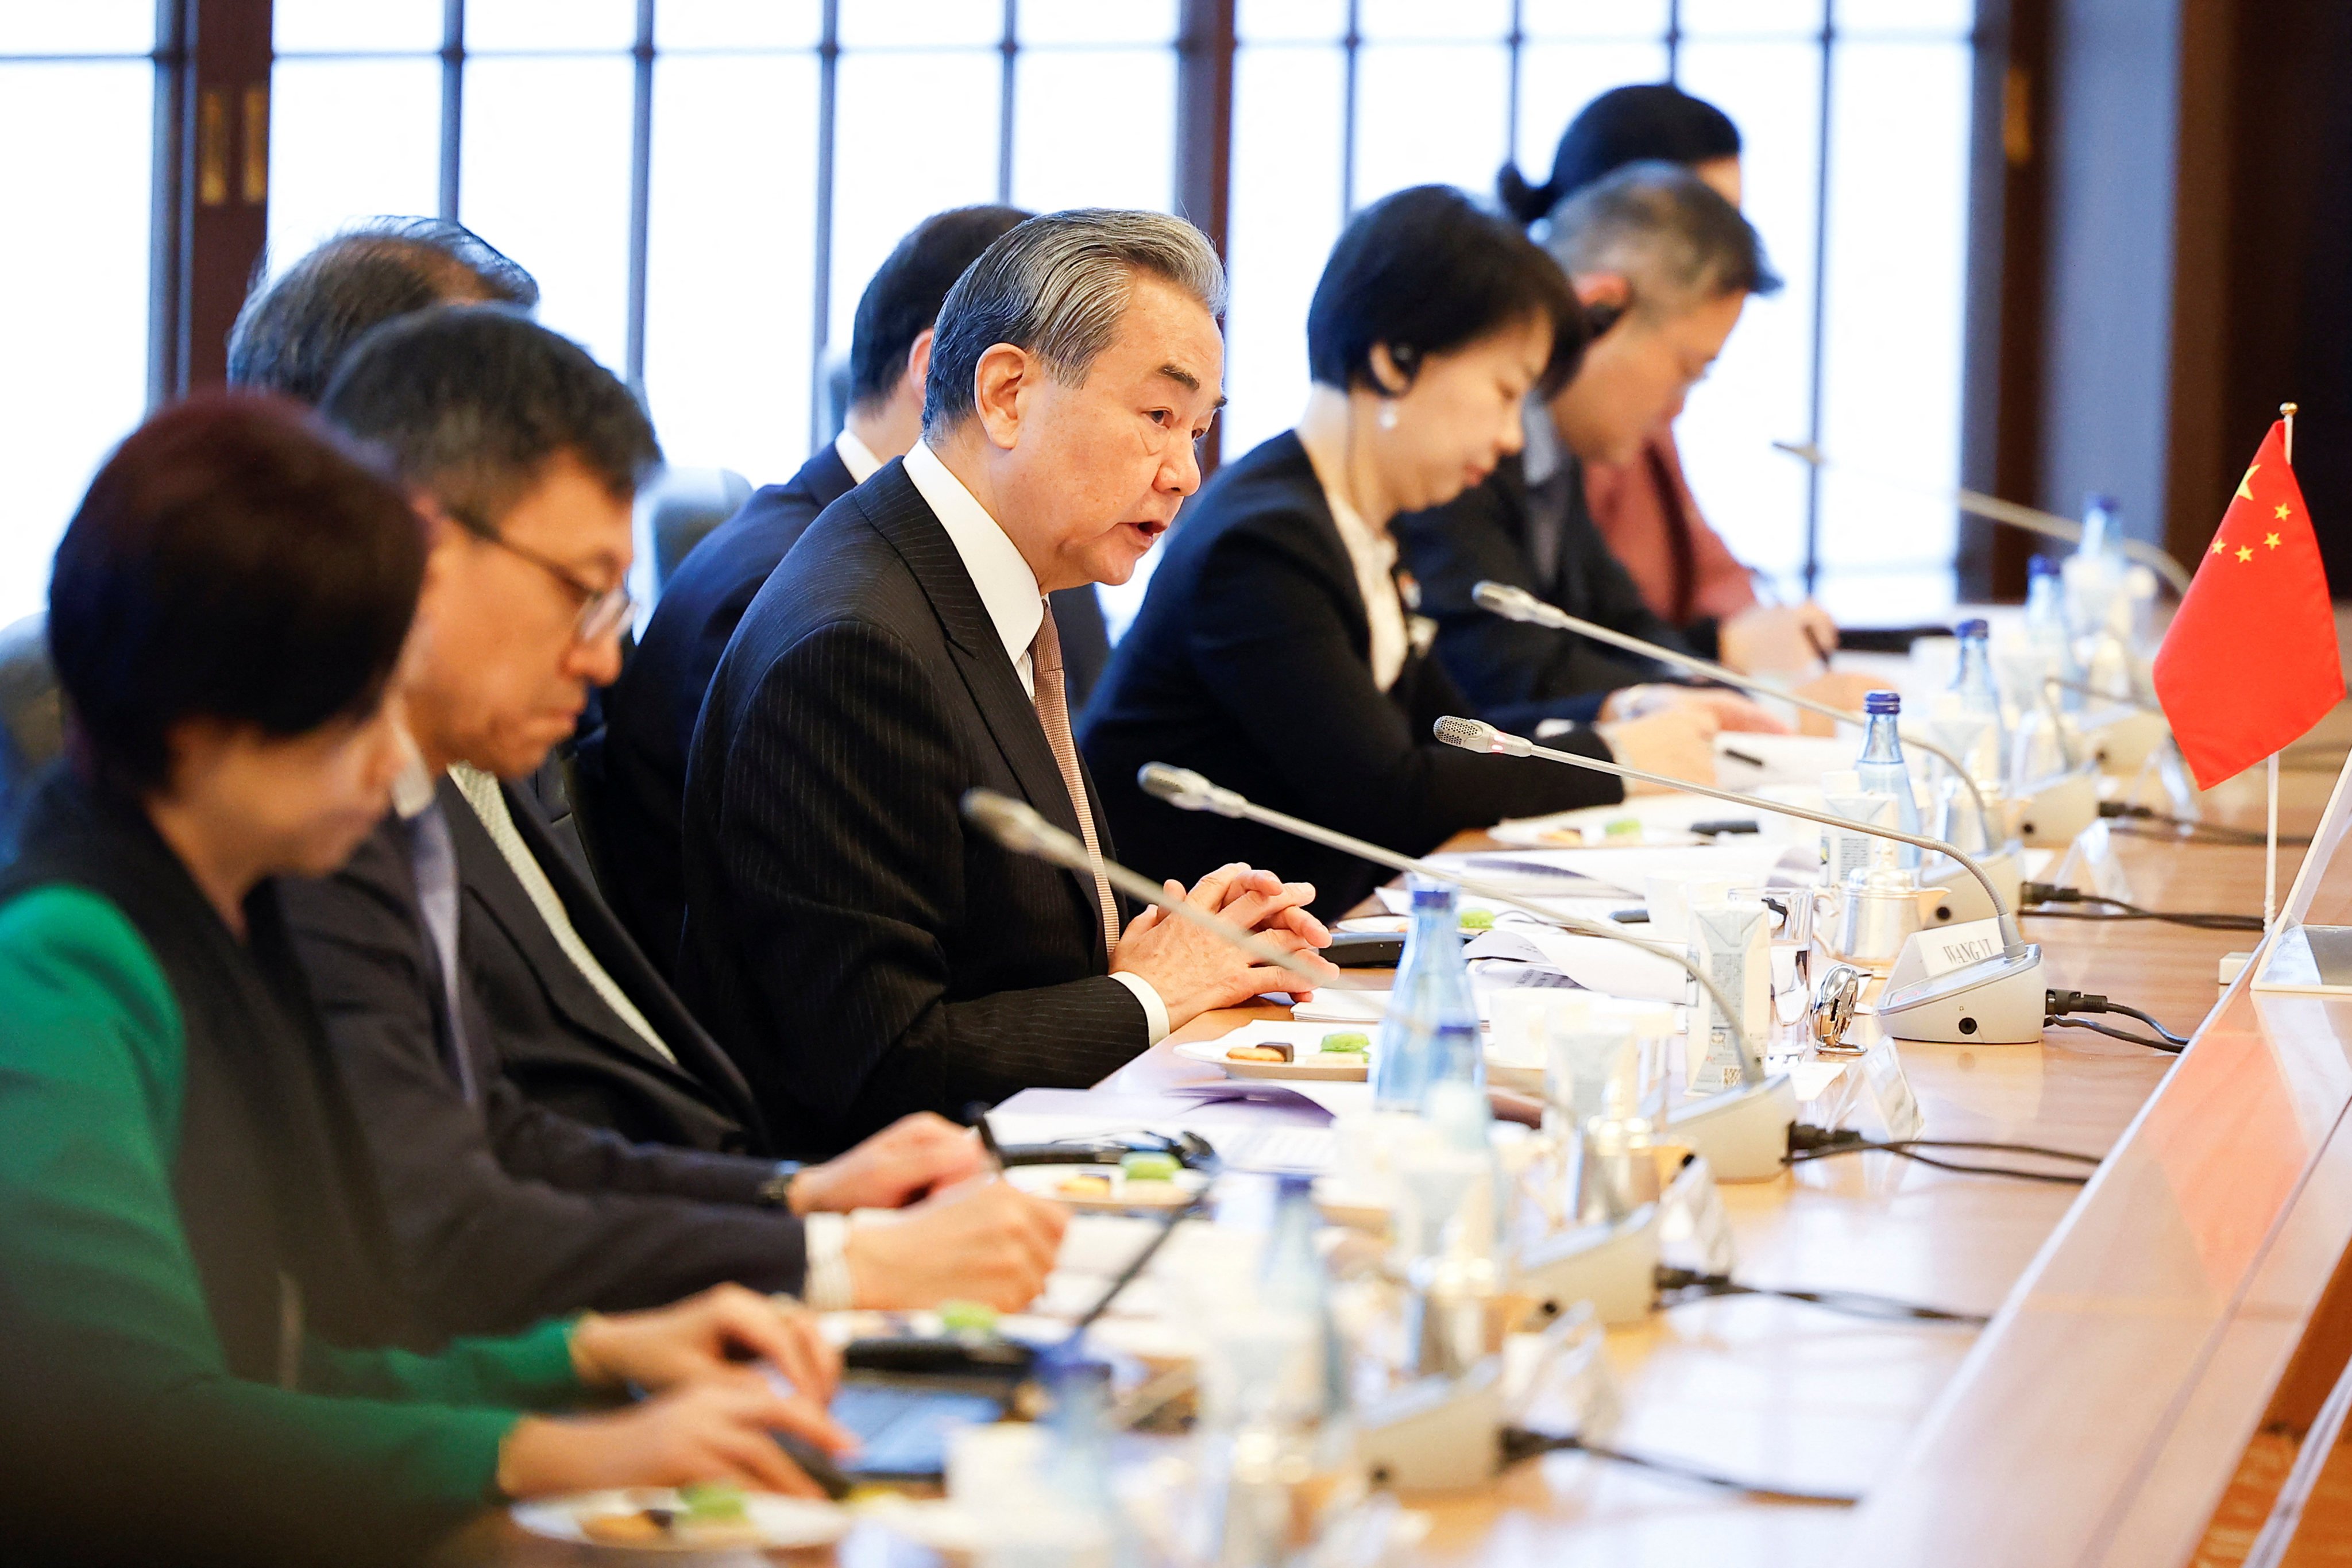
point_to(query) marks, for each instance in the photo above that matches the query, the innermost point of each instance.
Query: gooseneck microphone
(1517, 604)
(2032, 518)
(1988, 1001)
(1190, 791)
(1016, 825)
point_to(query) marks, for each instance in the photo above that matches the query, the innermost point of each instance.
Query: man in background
(1665, 266)
(525, 454)
(295, 330)
(637, 771)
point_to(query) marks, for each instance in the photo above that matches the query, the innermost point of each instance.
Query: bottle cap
(1975, 628)
(2041, 566)
(1883, 702)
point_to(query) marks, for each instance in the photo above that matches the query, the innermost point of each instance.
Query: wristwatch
(776, 1191)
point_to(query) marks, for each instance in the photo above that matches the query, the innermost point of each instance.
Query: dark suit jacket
(649, 712)
(856, 947)
(1484, 534)
(556, 1038)
(507, 1211)
(1251, 661)
(638, 768)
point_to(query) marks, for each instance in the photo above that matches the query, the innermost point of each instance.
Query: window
(702, 187)
(79, 82)
(1855, 116)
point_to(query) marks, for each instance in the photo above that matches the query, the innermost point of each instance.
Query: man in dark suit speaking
(858, 949)
(640, 758)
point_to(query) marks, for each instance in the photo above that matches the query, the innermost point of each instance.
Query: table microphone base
(2053, 816)
(1439, 1434)
(1614, 1267)
(1963, 897)
(2125, 746)
(1999, 1000)
(1743, 1132)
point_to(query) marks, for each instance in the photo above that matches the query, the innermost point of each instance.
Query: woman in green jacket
(197, 1301)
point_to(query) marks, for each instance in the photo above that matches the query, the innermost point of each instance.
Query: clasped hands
(1195, 971)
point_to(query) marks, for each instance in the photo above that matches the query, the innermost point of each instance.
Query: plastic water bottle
(1431, 1029)
(1978, 696)
(2095, 574)
(2053, 639)
(1273, 1396)
(1292, 1280)
(1880, 769)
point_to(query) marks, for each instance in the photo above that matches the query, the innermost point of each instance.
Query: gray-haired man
(854, 946)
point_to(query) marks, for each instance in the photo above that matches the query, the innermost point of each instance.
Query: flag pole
(2270, 835)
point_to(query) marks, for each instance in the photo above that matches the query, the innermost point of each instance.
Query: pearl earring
(1388, 420)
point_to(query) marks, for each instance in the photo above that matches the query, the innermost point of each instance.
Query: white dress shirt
(1009, 593)
(857, 457)
(1373, 553)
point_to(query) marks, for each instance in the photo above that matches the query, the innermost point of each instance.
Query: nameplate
(1946, 948)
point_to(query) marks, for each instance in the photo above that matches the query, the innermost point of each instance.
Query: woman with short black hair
(1276, 650)
(196, 1292)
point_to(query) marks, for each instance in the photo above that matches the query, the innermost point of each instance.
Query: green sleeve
(532, 1370)
(105, 1321)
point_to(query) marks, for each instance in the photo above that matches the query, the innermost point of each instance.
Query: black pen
(1738, 756)
(1820, 651)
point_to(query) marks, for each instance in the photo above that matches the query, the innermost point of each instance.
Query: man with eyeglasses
(1665, 266)
(472, 987)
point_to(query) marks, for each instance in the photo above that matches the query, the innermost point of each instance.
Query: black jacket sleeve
(1477, 537)
(506, 1213)
(1267, 634)
(848, 873)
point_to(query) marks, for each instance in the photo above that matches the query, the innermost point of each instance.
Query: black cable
(1807, 1138)
(2193, 922)
(2056, 1005)
(2166, 1047)
(1807, 1143)
(2052, 1177)
(2210, 832)
(2048, 893)
(2135, 1012)
(1687, 1285)
(1518, 1444)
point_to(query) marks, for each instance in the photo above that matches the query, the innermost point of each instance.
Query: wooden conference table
(2141, 1327)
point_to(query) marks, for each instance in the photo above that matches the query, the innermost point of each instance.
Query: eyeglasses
(602, 611)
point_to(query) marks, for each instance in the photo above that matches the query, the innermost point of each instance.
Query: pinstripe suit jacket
(852, 944)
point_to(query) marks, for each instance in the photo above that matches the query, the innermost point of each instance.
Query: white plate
(779, 1523)
(1306, 1040)
(1045, 1182)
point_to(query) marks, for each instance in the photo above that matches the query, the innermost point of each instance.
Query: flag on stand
(2249, 664)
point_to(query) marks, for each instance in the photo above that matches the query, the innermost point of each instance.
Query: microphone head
(1011, 823)
(1186, 790)
(1471, 735)
(1503, 599)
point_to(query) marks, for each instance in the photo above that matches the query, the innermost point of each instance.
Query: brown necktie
(1053, 714)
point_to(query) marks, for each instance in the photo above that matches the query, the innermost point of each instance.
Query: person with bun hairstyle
(1278, 651)
(1640, 502)
(198, 1300)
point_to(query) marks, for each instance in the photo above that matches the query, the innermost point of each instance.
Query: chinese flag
(2249, 662)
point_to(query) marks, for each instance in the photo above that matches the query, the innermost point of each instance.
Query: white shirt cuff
(1155, 1011)
(828, 1286)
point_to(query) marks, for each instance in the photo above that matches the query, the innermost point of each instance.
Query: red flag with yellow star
(2249, 664)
